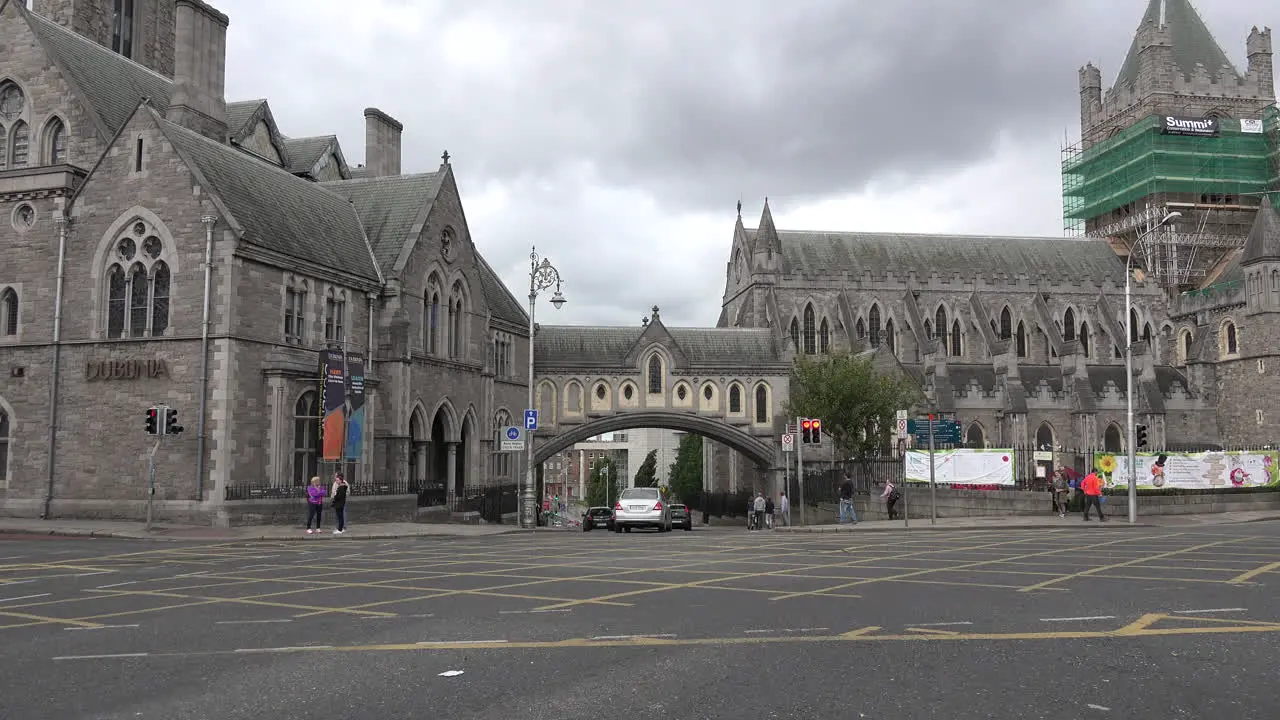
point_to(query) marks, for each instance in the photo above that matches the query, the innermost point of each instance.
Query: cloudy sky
(618, 136)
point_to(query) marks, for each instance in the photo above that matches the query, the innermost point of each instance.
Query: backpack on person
(894, 495)
(1059, 483)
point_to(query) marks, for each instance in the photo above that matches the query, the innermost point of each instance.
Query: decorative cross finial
(655, 311)
(445, 157)
(644, 321)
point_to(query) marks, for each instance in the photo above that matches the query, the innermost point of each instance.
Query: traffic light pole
(933, 487)
(800, 467)
(151, 480)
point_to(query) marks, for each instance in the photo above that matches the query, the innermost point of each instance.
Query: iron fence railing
(257, 491)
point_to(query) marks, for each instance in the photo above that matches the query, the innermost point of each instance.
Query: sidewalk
(1050, 521)
(136, 530)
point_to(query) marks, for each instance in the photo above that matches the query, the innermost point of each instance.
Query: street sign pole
(933, 487)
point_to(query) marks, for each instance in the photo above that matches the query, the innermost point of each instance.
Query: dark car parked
(681, 517)
(597, 517)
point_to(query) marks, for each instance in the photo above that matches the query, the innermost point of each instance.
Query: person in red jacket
(1091, 486)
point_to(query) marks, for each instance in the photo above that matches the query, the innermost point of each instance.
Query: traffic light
(806, 431)
(815, 426)
(153, 421)
(1142, 435)
(171, 426)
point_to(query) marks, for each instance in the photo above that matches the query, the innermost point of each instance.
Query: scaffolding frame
(1119, 189)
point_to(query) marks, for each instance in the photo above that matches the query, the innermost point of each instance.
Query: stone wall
(293, 511)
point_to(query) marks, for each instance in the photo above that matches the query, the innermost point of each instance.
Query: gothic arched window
(1020, 340)
(735, 399)
(19, 145)
(824, 337)
(795, 335)
(809, 331)
(1069, 325)
(762, 404)
(940, 324)
(431, 318)
(956, 349)
(655, 375)
(1084, 338)
(306, 436)
(55, 142)
(9, 312)
(138, 281)
(1006, 324)
(873, 323)
(890, 341)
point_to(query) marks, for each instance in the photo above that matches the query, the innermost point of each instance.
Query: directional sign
(945, 432)
(511, 438)
(902, 415)
(788, 442)
(530, 419)
(902, 427)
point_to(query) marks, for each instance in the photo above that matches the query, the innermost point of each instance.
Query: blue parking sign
(530, 419)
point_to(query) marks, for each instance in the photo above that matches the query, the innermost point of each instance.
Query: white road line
(560, 610)
(630, 637)
(12, 557)
(941, 624)
(283, 649)
(15, 582)
(1099, 707)
(460, 642)
(99, 657)
(100, 572)
(1214, 610)
(24, 597)
(102, 627)
(251, 622)
(1073, 619)
(781, 630)
(131, 582)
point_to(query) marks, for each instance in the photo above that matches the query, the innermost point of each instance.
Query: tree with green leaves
(854, 402)
(647, 475)
(602, 485)
(685, 475)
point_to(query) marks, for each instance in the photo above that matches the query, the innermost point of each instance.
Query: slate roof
(1193, 44)
(388, 207)
(276, 210)
(304, 153)
(502, 303)
(1263, 242)
(970, 255)
(564, 345)
(240, 113)
(109, 84)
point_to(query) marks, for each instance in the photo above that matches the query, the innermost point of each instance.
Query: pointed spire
(767, 233)
(1263, 243)
(1191, 42)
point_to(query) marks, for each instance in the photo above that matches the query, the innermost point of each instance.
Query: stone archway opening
(1113, 439)
(419, 448)
(439, 451)
(461, 454)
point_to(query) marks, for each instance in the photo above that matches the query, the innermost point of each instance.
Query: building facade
(164, 246)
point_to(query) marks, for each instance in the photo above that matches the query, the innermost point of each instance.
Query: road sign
(902, 415)
(512, 438)
(788, 442)
(945, 432)
(530, 419)
(902, 427)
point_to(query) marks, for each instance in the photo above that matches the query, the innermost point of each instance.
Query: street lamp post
(542, 276)
(1128, 364)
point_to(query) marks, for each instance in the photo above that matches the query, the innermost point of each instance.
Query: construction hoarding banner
(961, 467)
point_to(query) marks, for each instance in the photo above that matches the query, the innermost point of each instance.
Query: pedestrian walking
(768, 513)
(339, 502)
(784, 509)
(1061, 489)
(758, 506)
(846, 501)
(315, 504)
(1091, 486)
(891, 497)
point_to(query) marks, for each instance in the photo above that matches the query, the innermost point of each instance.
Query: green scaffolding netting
(1141, 161)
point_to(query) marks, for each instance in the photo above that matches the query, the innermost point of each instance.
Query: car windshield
(640, 494)
(600, 511)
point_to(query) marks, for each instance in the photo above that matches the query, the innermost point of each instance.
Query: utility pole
(933, 486)
(800, 471)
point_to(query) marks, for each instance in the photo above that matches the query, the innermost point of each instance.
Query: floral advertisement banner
(1204, 470)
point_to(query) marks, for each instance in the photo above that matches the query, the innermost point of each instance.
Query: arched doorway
(462, 453)
(439, 450)
(1044, 459)
(1112, 439)
(419, 447)
(975, 437)
(1044, 437)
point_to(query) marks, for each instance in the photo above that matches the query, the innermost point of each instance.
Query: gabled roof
(1192, 42)
(1263, 242)
(607, 347)
(502, 304)
(304, 153)
(110, 85)
(239, 114)
(276, 210)
(389, 208)
(970, 255)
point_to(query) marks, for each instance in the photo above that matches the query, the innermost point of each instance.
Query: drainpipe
(59, 219)
(205, 323)
(368, 371)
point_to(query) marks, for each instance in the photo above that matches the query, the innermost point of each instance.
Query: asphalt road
(1087, 621)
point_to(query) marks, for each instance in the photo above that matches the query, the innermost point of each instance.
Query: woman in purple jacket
(315, 503)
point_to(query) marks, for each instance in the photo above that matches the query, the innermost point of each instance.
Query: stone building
(1020, 339)
(162, 245)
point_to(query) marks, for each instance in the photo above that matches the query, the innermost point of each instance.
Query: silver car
(641, 507)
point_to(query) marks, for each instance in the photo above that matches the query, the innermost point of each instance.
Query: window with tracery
(335, 313)
(824, 337)
(735, 399)
(795, 335)
(431, 319)
(55, 142)
(138, 279)
(295, 311)
(1006, 324)
(13, 106)
(873, 325)
(810, 330)
(655, 375)
(762, 404)
(306, 438)
(9, 312)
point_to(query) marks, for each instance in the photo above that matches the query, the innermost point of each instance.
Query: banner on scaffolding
(961, 467)
(1202, 470)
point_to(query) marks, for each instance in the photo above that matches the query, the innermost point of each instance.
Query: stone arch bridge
(729, 385)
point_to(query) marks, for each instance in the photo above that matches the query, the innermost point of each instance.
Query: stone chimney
(200, 68)
(381, 144)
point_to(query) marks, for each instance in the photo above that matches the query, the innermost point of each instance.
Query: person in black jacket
(339, 494)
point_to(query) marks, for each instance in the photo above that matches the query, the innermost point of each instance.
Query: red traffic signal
(817, 426)
(806, 424)
(153, 421)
